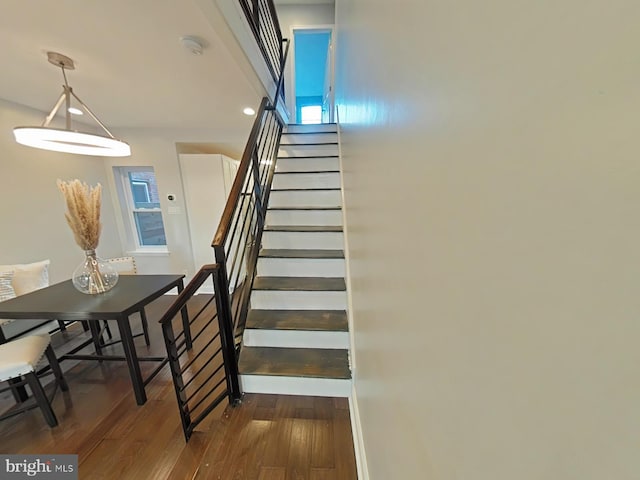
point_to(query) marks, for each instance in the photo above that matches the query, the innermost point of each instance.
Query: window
(311, 114)
(140, 202)
(140, 191)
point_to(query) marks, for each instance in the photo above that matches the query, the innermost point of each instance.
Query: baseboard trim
(358, 441)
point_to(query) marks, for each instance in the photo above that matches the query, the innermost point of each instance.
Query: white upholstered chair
(18, 363)
(124, 265)
(127, 266)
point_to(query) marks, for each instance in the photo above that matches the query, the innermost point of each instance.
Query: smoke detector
(193, 44)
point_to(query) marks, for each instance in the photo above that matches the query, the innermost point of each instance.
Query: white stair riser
(307, 150)
(316, 198)
(298, 300)
(317, 127)
(301, 267)
(302, 240)
(306, 180)
(308, 138)
(295, 339)
(307, 164)
(304, 217)
(318, 387)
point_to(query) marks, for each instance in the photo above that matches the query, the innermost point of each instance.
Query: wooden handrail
(236, 189)
(188, 292)
(281, 79)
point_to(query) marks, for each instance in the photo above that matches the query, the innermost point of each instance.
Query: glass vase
(94, 275)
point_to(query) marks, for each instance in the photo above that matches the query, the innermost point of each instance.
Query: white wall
(157, 148)
(302, 15)
(32, 209)
(31, 206)
(492, 172)
(299, 16)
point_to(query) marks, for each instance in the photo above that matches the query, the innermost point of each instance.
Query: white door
(206, 179)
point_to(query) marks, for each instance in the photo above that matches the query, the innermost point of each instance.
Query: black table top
(62, 301)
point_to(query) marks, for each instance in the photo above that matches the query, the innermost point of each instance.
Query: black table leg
(145, 326)
(132, 359)
(96, 335)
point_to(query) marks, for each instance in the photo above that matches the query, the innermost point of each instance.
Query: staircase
(296, 339)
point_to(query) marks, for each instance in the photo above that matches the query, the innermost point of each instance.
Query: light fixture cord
(67, 91)
(64, 75)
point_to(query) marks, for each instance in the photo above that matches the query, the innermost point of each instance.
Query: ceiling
(131, 69)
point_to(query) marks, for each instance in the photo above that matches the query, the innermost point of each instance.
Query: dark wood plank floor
(269, 437)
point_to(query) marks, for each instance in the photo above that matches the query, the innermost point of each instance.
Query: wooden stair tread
(316, 132)
(305, 172)
(309, 320)
(300, 253)
(303, 228)
(311, 125)
(307, 144)
(306, 207)
(309, 156)
(295, 362)
(310, 189)
(310, 284)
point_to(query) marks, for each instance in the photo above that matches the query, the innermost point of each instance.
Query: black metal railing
(263, 20)
(237, 240)
(204, 358)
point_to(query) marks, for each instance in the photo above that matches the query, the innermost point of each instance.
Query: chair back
(123, 265)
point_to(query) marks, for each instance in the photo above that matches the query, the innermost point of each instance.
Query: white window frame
(128, 210)
(146, 188)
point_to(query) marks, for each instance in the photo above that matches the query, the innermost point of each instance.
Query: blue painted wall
(310, 61)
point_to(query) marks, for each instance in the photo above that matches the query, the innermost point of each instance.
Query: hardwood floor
(268, 437)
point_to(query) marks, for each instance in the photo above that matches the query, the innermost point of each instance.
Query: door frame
(324, 28)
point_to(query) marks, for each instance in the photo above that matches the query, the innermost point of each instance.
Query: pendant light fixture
(65, 139)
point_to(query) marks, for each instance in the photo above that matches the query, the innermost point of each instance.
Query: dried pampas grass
(83, 215)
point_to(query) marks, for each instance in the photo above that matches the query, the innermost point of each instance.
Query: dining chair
(18, 362)
(123, 265)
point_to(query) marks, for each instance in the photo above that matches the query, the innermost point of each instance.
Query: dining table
(61, 301)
